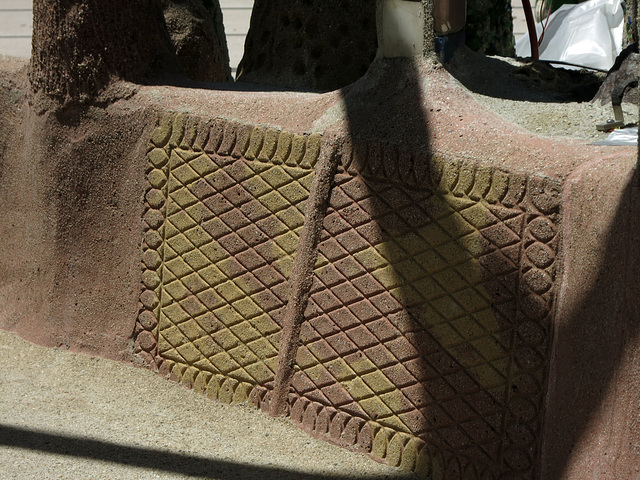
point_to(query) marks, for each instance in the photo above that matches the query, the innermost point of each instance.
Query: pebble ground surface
(536, 103)
(70, 416)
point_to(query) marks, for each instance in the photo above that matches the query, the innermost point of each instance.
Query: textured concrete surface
(16, 26)
(593, 396)
(457, 256)
(428, 307)
(309, 45)
(426, 335)
(221, 260)
(69, 416)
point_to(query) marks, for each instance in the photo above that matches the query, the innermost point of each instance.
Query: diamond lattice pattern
(407, 323)
(231, 230)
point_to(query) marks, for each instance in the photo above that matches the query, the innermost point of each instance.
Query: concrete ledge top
(384, 106)
(450, 124)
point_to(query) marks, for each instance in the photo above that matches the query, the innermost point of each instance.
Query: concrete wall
(393, 266)
(433, 325)
(426, 337)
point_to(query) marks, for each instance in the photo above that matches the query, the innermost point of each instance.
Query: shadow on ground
(523, 79)
(148, 458)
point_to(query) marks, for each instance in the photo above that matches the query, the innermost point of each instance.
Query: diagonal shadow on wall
(437, 291)
(431, 314)
(592, 405)
(427, 334)
(413, 321)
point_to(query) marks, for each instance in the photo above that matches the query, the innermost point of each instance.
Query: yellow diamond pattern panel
(231, 230)
(405, 326)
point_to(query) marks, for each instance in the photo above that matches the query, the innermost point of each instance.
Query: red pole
(531, 27)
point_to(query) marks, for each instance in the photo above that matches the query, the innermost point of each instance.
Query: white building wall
(236, 15)
(519, 23)
(15, 28)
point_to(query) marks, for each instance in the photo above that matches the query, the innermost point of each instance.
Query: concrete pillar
(309, 45)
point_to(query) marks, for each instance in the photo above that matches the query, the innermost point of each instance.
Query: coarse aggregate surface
(71, 416)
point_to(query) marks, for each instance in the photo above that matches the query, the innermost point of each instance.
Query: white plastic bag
(622, 136)
(587, 34)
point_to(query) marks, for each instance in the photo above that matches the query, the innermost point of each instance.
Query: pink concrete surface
(545, 235)
(592, 404)
(70, 230)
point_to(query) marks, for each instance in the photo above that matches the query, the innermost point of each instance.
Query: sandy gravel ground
(68, 416)
(571, 120)
(534, 97)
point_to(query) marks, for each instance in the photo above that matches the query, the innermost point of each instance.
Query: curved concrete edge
(591, 427)
(72, 197)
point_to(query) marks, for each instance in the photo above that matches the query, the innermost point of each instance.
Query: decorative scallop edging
(539, 196)
(215, 137)
(539, 199)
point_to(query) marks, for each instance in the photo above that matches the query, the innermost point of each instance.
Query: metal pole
(531, 27)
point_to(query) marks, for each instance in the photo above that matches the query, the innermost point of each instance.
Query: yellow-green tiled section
(231, 231)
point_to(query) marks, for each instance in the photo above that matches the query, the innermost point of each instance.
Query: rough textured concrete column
(197, 35)
(309, 45)
(429, 45)
(79, 48)
(472, 311)
(490, 27)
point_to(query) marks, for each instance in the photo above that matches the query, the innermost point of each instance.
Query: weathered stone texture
(79, 48)
(197, 35)
(426, 337)
(224, 212)
(309, 45)
(428, 329)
